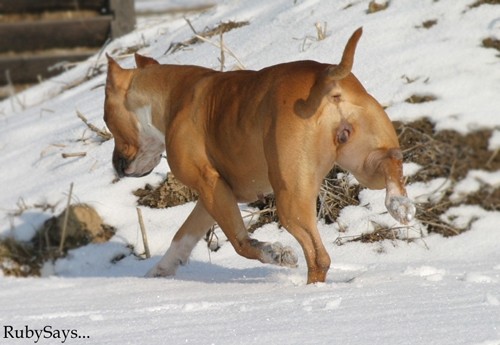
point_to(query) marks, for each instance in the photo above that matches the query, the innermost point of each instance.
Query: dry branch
(73, 154)
(65, 222)
(224, 48)
(143, 232)
(102, 133)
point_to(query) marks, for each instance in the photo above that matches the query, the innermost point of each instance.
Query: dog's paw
(401, 208)
(158, 272)
(276, 254)
(289, 257)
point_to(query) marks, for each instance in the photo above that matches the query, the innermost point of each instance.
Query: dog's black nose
(120, 164)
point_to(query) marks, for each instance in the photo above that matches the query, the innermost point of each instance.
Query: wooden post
(124, 17)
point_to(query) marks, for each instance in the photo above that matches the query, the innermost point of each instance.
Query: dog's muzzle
(123, 166)
(120, 164)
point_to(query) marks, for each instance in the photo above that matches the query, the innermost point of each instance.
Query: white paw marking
(177, 254)
(276, 253)
(401, 208)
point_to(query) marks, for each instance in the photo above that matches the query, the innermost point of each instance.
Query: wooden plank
(34, 6)
(124, 17)
(27, 68)
(39, 35)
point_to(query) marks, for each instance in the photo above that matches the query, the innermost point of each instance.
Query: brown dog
(235, 136)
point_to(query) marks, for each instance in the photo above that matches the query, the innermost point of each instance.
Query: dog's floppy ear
(143, 61)
(342, 70)
(118, 78)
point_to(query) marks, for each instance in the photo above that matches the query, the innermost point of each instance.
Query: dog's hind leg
(193, 229)
(221, 203)
(297, 213)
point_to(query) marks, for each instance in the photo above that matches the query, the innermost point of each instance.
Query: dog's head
(138, 143)
(365, 142)
(364, 137)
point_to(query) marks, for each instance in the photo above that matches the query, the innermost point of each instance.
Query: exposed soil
(170, 192)
(483, 2)
(217, 30)
(83, 226)
(492, 42)
(445, 153)
(376, 6)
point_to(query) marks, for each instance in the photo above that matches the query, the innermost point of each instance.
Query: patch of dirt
(483, 2)
(170, 192)
(379, 234)
(491, 42)
(445, 153)
(428, 24)
(414, 99)
(219, 29)
(451, 155)
(83, 226)
(335, 194)
(487, 197)
(377, 5)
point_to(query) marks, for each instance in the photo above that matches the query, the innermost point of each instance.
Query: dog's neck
(145, 124)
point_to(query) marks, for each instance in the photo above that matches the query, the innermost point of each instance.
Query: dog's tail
(342, 70)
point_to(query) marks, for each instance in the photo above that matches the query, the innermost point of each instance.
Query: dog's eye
(343, 136)
(336, 97)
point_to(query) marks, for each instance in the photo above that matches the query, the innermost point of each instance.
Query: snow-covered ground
(431, 290)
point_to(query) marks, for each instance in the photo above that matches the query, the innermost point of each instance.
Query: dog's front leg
(397, 202)
(221, 203)
(297, 213)
(193, 229)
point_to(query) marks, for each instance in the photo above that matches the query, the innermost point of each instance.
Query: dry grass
(335, 194)
(483, 2)
(219, 29)
(451, 155)
(445, 153)
(103, 134)
(321, 31)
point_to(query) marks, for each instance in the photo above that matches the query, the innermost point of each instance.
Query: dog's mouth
(126, 173)
(138, 167)
(138, 175)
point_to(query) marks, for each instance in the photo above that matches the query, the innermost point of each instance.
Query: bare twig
(94, 69)
(222, 57)
(441, 225)
(191, 26)
(102, 133)
(65, 221)
(143, 232)
(490, 160)
(222, 47)
(73, 154)
(12, 90)
(321, 31)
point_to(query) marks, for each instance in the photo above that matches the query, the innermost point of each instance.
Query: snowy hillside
(425, 290)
